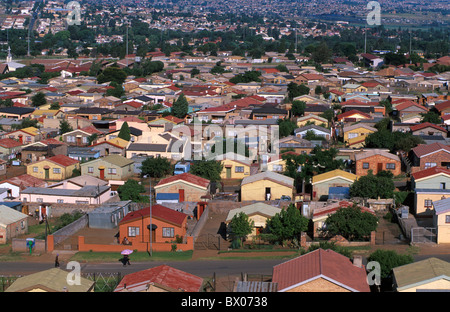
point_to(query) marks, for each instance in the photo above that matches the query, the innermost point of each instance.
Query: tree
(286, 127)
(112, 73)
(298, 108)
(321, 53)
(388, 260)
(288, 224)
(38, 99)
(373, 186)
(351, 222)
(124, 132)
(241, 226)
(246, 77)
(64, 127)
(180, 107)
(295, 90)
(394, 141)
(156, 167)
(131, 190)
(431, 117)
(207, 169)
(55, 106)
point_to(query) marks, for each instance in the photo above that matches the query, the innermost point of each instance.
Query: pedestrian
(56, 262)
(126, 260)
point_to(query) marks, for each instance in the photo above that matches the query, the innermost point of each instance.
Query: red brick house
(377, 160)
(167, 225)
(426, 156)
(428, 129)
(189, 187)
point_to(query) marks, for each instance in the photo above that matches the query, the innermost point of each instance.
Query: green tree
(180, 107)
(295, 90)
(207, 169)
(156, 167)
(431, 117)
(351, 222)
(240, 226)
(38, 99)
(286, 127)
(132, 190)
(388, 260)
(124, 132)
(298, 108)
(288, 224)
(112, 73)
(321, 53)
(64, 127)
(373, 186)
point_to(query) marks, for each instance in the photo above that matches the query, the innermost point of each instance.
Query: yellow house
(351, 88)
(56, 168)
(311, 119)
(355, 135)
(321, 183)
(431, 274)
(266, 185)
(25, 136)
(234, 166)
(257, 213)
(441, 220)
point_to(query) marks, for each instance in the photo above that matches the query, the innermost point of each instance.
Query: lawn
(89, 256)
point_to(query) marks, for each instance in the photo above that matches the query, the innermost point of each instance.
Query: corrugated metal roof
(270, 176)
(9, 215)
(245, 286)
(261, 208)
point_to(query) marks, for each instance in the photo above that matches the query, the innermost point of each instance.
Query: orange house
(167, 225)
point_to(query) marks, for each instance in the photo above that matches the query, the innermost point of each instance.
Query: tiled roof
(25, 180)
(9, 143)
(352, 112)
(62, 160)
(162, 276)
(426, 125)
(425, 149)
(442, 106)
(159, 212)
(333, 174)
(430, 172)
(375, 152)
(320, 263)
(188, 177)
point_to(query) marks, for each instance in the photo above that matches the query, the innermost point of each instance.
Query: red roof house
(190, 187)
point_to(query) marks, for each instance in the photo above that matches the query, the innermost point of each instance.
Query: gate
(208, 242)
(423, 235)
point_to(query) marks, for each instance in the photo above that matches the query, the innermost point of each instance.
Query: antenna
(126, 56)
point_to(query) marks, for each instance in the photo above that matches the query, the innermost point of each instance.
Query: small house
(189, 187)
(266, 186)
(13, 223)
(322, 183)
(55, 168)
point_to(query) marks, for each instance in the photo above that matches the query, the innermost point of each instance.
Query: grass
(136, 256)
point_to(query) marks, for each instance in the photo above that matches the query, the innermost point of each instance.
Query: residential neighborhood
(181, 151)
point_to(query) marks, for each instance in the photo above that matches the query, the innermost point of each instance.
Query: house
(18, 113)
(429, 185)
(266, 186)
(322, 183)
(116, 146)
(318, 131)
(353, 115)
(15, 185)
(234, 166)
(371, 60)
(83, 153)
(299, 145)
(311, 119)
(26, 135)
(111, 167)
(43, 149)
(428, 129)
(167, 225)
(162, 278)
(425, 156)
(442, 108)
(355, 135)
(258, 213)
(68, 194)
(159, 145)
(441, 220)
(320, 271)
(189, 187)
(51, 280)
(13, 223)
(352, 88)
(80, 137)
(268, 112)
(108, 215)
(377, 160)
(9, 148)
(407, 109)
(55, 168)
(3, 166)
(429, 275)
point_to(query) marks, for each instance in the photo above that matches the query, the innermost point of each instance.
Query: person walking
(57, 261)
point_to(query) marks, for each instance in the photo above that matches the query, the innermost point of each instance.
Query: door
(102, 173)
(380, 167)
(228, 173)
(267, 194)
(47, 174)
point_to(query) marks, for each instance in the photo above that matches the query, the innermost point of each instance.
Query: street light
(150, 226)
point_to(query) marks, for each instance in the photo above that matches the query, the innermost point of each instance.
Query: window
(133, 231)
(352, 135)
(90, 169)
(60, 201)
(35, 169)
(390, 166)
(429, 165)
(85, 139)
(70, 138)
(168, 232)
(442, 186)
(39, 200)
(112, 171)
(81, 202)
(447, 219)
(365, 165)
(428, 203)
(56, 170)
(239, 169)
(278, 168)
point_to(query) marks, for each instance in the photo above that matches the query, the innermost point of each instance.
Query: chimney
(357, 261)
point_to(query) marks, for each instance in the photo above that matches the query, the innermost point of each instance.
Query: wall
(234, 174)
(13, 229)
(321, 190)
(191, 193)
(70, 229)
(437, 158)
(373, 165)
(318, 285)
(419, 202)
(443, 229)
(21, 245)
(256, 190)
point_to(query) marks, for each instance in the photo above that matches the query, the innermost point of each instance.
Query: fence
(423, 235)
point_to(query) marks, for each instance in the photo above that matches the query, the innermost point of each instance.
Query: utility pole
(365, 40)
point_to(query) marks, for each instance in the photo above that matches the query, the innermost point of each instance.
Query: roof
(85, 191)
(422, 150)
(24, 181)
(9, 215)
(320, 263)
(426, 125)
(162, 276)
(376, 152)
(159, 212)
(332, 175)
(353, 112)
(184, 177)
(325, 211)
(441, 206)
(257, 208)
(421, 272)
(443, 105)
(62, 160)
(430, 172)
(359, 125)
(269, 175)
(9, 143)
(54, 279)
(115, 159)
